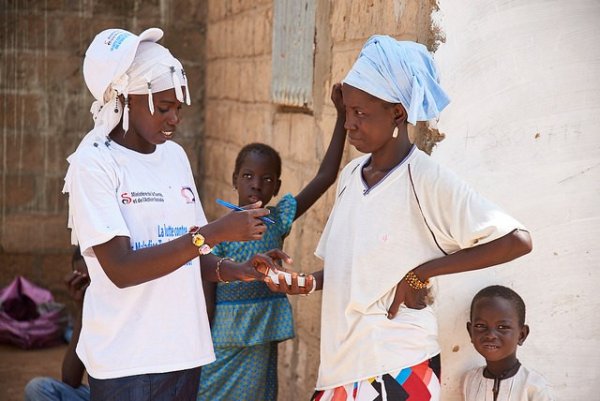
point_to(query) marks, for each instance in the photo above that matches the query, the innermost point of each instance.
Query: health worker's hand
(241, 226)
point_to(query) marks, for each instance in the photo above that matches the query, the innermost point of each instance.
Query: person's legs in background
(49, 389)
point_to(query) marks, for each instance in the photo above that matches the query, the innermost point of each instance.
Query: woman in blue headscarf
(399, 220)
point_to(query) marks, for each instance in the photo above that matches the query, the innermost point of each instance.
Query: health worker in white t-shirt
(135, 212)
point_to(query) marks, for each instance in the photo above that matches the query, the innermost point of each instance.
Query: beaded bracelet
(414, 282)
(218, 270)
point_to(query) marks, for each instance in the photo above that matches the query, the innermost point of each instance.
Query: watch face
(198, 240)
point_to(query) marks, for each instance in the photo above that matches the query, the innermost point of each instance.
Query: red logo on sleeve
(125, 198)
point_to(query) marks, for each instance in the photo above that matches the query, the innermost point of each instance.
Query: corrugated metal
(293, 52)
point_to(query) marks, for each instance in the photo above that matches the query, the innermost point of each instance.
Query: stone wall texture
(44, 112)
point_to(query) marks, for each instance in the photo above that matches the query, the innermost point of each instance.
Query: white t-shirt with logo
(372, 239)
(161, 325)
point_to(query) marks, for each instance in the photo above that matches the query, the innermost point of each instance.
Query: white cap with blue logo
(110, 55)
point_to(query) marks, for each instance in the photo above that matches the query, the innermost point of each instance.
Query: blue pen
(239, 209)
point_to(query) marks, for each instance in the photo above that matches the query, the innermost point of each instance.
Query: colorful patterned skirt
(417, 383)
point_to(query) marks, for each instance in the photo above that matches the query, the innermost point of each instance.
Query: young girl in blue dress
(249, 319)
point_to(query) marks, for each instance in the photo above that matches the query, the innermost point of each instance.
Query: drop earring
(395, 133)
(126, 116)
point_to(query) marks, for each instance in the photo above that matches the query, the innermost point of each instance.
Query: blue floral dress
(249, 322)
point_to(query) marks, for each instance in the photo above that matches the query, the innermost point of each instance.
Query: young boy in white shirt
(496, 327)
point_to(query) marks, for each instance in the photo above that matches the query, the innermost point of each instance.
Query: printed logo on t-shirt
(165, 233)
(188, 194)
(141, 197)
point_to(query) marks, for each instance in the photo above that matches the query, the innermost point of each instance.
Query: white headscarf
(399, 72)
(154, 69)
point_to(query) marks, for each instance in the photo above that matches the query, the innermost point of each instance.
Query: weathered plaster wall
(44, 112)
(523, 129)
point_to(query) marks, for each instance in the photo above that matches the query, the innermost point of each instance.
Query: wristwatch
(199, 241)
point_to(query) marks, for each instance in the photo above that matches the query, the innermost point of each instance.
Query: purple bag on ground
(29, 317)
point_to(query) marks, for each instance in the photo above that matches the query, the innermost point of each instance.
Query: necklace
(510, 372)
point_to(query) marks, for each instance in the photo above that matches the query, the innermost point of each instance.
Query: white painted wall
(524, 129)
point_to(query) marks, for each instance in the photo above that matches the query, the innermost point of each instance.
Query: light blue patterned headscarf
(399, 72)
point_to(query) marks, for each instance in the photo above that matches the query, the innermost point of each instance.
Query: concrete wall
(44, 112)
(523, 129)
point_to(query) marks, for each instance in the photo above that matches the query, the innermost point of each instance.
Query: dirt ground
(18, 366)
